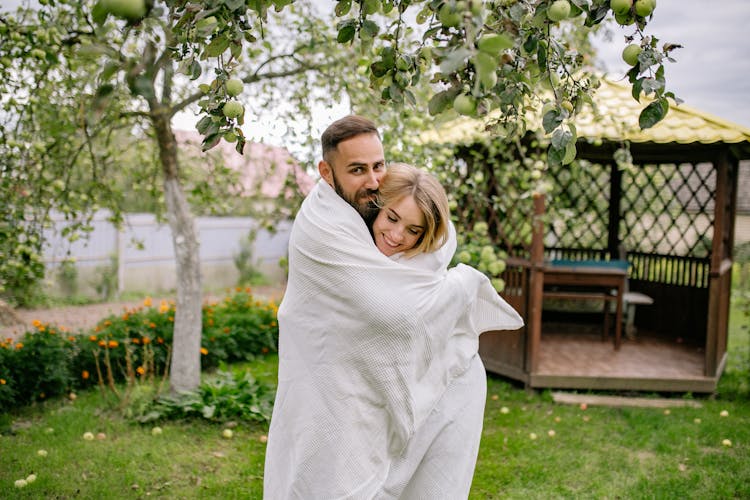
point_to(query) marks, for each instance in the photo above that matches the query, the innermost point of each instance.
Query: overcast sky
(712, 72)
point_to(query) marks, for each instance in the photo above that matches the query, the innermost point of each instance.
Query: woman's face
(398, 226)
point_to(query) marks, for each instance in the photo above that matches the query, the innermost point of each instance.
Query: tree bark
(185, 369)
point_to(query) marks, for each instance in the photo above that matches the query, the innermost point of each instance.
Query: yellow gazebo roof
(616, 119)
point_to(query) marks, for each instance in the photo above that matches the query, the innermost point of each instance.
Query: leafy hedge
(49, 361)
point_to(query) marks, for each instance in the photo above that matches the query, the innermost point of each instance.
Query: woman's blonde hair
(403, 180)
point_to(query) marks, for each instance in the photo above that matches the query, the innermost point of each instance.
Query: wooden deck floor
(581, 354)
(579, 358)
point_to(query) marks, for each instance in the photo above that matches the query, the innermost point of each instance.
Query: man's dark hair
(343, 129)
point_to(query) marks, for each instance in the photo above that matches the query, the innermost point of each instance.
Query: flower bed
(135, 345)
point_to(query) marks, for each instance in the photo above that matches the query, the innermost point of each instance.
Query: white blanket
(367, 346)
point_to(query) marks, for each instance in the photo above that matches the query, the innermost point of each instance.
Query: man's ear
(326, 172)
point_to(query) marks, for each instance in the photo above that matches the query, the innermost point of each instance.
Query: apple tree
(131, 65)
(89, 92)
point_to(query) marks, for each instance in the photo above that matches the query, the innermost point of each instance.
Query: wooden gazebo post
(537, 283)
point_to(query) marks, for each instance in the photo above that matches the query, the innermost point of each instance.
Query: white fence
(145, 257)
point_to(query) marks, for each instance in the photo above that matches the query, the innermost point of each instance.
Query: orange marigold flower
(93, 338)
(36, 323)
(107, 323)
(71, 338)
(152, 325)
(85, 375)
(63, 329)
(125, 317)
(163, 307)
(98, 328)
(147, 302)
(19, 346)
(146, 340)
(2, 381)
(171, 319)
(159, 340)
(135, 341)
(204, 351)
(141, 370)
(112, 344)
(248, 290)
(42, 328)
(102, 343)
(226, 329)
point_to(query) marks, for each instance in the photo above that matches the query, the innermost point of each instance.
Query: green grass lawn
(598, 452)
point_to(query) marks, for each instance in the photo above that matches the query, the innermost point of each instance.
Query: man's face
(355, 171)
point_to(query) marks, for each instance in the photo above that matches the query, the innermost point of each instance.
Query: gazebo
(624, 282)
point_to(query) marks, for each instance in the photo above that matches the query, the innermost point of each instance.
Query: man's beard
(367, 210)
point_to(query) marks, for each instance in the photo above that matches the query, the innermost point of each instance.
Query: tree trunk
(185, 370)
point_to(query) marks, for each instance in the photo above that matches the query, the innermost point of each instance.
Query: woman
(414, 214)
(439, 460)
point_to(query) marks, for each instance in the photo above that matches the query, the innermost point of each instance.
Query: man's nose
(372, 180)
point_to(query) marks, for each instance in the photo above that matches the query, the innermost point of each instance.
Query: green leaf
(99, 13)
(439, 102)
(378, 69)
(108, 71)
(141, 85)
(653, 113)
(203, 124)
(551, 120)
(217, 46)
(369, 30)
(541, 54)
(347, 29)
(343, 7)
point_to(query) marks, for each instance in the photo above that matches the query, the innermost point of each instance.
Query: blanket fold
(367, 347)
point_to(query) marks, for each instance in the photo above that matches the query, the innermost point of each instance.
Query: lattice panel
(668, 209)
(493, 192)
(577, 206)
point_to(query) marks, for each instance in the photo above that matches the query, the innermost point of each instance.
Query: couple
(381, 390)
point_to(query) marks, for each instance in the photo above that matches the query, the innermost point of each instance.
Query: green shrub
(227, 396)
(132, 346)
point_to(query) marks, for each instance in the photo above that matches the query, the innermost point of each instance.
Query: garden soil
(77, 319)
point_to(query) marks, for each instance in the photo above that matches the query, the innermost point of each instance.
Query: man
(353, 162)
(367, 346)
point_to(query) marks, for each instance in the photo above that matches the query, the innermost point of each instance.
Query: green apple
(132, 10)
(234, 87)
(559, 10)
(644, 8)
(625, 19)
(620, 6)
(465, 104)
(630, 54)
(227, 433)
(232, 109)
